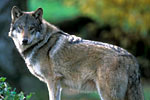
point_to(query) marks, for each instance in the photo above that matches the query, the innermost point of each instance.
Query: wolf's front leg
(54, 89)
(58, 92)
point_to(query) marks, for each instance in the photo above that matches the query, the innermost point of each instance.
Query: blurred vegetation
(7, 93)
(131, 15)
(54, 10)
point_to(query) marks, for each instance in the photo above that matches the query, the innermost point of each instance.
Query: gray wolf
(67, 61)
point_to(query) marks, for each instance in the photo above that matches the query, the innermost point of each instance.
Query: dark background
(124, 23)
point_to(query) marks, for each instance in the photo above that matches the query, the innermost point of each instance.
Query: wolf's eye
(20, 27)
(31, 28)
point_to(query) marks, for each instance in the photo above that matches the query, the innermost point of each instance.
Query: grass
(95, 96)
(147, 92)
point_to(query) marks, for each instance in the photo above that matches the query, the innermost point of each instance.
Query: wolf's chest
(34, 68)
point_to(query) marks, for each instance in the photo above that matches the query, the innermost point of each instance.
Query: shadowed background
(125, 23)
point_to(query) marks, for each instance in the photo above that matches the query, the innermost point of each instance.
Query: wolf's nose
(25, 41)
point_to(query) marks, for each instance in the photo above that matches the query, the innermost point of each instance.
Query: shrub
(7, 93)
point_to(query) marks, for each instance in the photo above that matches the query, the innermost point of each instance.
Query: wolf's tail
(134, 91)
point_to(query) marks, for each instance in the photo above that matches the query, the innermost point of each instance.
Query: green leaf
(28, 96)
(2, 79)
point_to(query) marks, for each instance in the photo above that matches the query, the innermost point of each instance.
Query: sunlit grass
(95, 96)
(81, 96)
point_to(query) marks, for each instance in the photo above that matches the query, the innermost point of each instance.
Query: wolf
(67, 61)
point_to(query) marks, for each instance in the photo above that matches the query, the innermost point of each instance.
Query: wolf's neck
(48, 42)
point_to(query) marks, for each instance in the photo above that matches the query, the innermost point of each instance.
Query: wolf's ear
(15, 13)
(38, 13)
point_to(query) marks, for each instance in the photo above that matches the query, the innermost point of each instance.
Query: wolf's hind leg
(112, 85)
(110, 93)
(102, 97)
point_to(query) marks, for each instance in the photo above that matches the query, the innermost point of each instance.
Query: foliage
(132, 16)
(54, 11)
(7, 93)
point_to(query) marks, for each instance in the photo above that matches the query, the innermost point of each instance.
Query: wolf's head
(26, 27)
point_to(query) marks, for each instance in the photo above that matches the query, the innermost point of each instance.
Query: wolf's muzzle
(25, 41)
